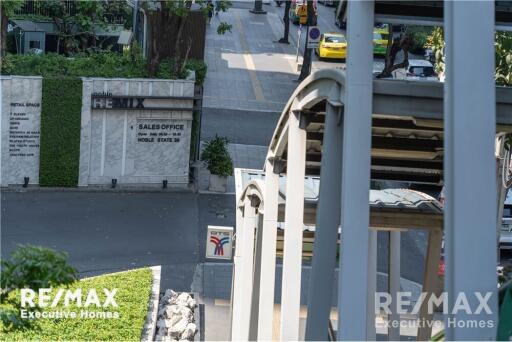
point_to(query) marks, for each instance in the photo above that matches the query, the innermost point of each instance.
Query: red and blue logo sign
(219, 244)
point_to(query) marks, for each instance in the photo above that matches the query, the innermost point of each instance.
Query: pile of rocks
(176, 317)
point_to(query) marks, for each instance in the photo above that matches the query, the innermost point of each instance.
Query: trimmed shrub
(216, 156)
(101, 64)
(60, 131)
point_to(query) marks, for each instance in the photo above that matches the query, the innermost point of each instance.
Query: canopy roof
(389, 208)
(424, 12)
(407, 125)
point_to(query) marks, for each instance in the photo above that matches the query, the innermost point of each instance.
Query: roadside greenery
(35, 267)
(217, 158)
(30, 267)
(100, 64)
(60, 131)
(132, 296)
(503, 46)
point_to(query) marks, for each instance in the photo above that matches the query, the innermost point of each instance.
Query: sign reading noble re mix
(136, 131)
(105, 100)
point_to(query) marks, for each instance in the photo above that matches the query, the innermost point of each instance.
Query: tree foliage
(77, 22)
(503, 46)
(7, 9)
(167, 20)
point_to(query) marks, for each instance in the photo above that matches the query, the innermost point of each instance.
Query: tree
(402, 43)
(286, 20)
(166, 23)
(503, 61)
(78, 21)
(306, 61)
(7, 9)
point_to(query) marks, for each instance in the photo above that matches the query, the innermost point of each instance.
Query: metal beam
(268, 256)
(355, 211)
(470, 166)
(294, 211)
(326, 232)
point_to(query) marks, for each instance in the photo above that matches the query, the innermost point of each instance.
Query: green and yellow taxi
(380, 41)
(332, 45)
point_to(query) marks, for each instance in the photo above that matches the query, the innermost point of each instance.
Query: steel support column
(371, 333)
(236, 286)
(257, 281)
(268, 256)
(294, 213)
(430, 281)
(394, 284)
(470, 167)
(355, 213)
(247, 264)
(326, 231)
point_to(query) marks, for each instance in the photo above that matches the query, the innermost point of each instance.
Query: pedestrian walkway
(217, 314)
(246, 68)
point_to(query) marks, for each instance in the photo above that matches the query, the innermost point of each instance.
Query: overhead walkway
(407, 134)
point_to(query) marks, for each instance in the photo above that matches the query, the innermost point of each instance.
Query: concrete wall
(110, 144)
(20, 129)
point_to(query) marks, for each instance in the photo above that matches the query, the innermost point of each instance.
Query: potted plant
(219, 163)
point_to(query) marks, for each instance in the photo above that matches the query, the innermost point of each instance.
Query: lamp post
(258, 7)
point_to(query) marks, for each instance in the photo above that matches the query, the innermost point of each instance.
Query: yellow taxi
(380, 41)
(332, 45)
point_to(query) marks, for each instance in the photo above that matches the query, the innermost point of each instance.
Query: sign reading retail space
(219, 242)
(20, 129)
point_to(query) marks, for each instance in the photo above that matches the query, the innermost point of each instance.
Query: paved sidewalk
(246, 68)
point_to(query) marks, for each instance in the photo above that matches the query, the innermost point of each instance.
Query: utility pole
(258, 7)
(135, 19)
(306, 61)
(286, 20)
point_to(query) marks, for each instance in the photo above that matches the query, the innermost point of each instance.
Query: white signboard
(219, 242)
(313, 37)
(20, 126)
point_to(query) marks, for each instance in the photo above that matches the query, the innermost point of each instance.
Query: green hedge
(101, 64)
(60, 131)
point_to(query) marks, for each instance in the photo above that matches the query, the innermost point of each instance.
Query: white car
(417, 69)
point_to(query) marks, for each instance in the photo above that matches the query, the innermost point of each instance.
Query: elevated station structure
(349, 129)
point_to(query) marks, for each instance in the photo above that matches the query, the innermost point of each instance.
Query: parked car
(430, 56)
(380, 41)
(332, 45)
(506, 224)
(417, 69)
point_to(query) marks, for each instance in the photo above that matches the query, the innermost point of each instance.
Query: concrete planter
(217, 183)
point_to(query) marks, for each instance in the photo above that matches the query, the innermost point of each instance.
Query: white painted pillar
(430, 281)
(394, 284)
(355, 213)
(326, 232)
(257, 280)
(237, 282)
(268, 256)
(371, 333)
(247, 268)
(470, 174)
(294, 214)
